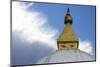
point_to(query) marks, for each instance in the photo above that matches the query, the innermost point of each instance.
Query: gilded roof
(68, 34)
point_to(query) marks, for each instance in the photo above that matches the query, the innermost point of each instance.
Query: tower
(68, 40)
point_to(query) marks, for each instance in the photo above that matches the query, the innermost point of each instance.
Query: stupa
(67, 44)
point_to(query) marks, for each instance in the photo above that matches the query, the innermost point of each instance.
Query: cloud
(23, 54)
(86, 46)
(32, 26)
(32, 36)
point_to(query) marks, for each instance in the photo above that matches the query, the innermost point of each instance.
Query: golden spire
(67, 40)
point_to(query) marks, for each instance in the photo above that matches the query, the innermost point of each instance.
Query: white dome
(67, 56)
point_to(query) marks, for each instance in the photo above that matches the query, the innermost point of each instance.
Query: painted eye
(63, 46)
(72, 45)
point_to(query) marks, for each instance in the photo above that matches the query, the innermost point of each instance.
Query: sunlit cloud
(32, 26)
(86, 46)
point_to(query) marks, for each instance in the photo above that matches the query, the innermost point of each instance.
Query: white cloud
(86, 46)
(32, 26)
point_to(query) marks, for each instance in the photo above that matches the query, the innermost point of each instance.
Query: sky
(36, 27)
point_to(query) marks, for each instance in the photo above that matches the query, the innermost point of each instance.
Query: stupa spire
(68, 17)
(67, 39)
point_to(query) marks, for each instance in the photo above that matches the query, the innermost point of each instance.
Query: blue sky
(83, 25)
(83, 18)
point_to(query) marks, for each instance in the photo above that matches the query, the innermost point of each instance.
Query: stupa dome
(67, 56)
